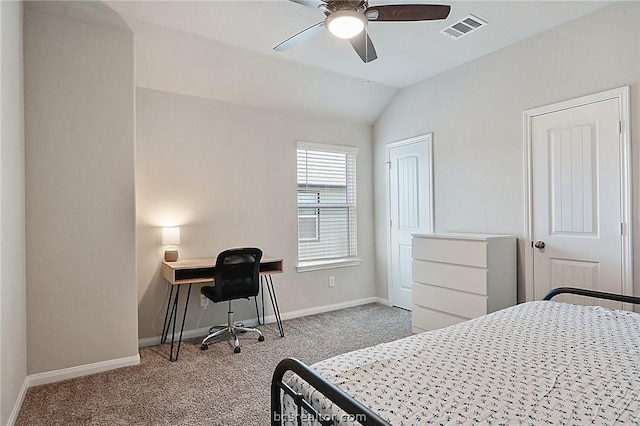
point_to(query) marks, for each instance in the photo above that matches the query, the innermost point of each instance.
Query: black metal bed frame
(355, 409)
(351, 406)
(591, 293)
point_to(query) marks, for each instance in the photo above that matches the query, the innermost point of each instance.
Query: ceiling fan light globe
(345, 23)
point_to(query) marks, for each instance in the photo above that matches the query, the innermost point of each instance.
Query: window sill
(326, 264)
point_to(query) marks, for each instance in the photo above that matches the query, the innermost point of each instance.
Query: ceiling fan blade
(303, 35)
(364, 47)
(407, 12)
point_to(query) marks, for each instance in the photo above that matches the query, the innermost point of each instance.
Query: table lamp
(171, 237)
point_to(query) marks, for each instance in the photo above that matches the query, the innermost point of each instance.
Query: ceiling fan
(348, 18)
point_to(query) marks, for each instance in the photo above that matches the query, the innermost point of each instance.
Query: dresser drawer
(467, 252)
(466, 305)
(423, 319)
(457, 277)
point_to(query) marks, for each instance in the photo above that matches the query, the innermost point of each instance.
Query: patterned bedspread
(535, 363)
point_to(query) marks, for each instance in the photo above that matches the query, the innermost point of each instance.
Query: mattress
(535, 363)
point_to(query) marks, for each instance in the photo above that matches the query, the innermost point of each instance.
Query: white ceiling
(408, 52)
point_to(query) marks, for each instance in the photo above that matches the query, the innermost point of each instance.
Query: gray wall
(80, 191)
(13, 345)
(475, 114)
(226, 174)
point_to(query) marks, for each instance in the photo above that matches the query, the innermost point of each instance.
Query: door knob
(539, 244)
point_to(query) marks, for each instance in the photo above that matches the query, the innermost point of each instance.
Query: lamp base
(170, 255)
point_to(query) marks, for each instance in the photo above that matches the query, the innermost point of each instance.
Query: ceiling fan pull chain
(366, 55)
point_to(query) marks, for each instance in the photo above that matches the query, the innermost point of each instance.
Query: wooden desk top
(192, 271)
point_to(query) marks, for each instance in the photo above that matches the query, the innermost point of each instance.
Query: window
(326, 206)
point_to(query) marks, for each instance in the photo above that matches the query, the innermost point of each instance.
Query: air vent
(463, 27)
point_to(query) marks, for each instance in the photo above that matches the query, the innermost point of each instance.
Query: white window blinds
(326, 203)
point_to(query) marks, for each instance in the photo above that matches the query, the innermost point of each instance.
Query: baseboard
(188, 334)
(322, 309)
(16, 407)
(81, 370)
(382, 301)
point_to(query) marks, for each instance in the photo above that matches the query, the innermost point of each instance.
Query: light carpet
(213, 387)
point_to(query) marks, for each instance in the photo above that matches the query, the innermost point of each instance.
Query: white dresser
(461, 276)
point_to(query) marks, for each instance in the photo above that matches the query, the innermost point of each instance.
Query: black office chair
(236, 277)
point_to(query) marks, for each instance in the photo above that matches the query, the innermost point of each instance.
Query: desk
(199, 271)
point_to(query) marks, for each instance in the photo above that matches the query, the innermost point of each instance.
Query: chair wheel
(261, 339)
(236, 350)
(204, 347)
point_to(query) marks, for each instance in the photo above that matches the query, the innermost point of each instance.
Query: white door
(410, 210)
(576, 199)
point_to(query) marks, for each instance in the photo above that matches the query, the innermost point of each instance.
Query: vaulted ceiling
(408, 52)
(245, 32)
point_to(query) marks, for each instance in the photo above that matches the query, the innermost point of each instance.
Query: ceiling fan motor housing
(337, 5)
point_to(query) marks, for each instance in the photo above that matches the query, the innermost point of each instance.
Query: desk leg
(184, 316)
(167, 318)
(262, 296)
(173, 315)
(262, 283)
(274, 303)
(255, 299)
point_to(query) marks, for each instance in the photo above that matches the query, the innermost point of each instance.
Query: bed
(543, 362)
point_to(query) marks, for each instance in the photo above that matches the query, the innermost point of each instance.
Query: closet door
(410, 210)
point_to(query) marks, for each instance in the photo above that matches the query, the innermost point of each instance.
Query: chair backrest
(237, 274)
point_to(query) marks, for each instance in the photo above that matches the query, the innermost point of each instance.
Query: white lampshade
(170, 235)
(345, 23)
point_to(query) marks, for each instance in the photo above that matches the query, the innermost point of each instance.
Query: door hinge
(391, 223)
(621, 228)
(389, 164)
(620, 127)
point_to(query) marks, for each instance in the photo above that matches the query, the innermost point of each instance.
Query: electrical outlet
(332, 281)
(204, 301)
